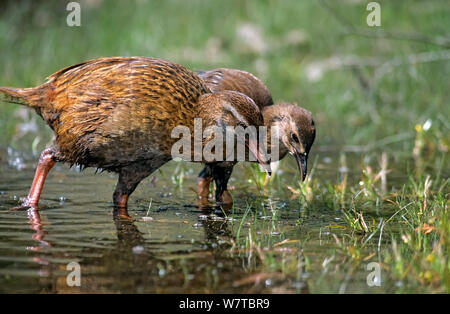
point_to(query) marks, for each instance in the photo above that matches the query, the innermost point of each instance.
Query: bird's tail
(30, 97)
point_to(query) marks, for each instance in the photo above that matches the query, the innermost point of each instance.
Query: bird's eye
(295, 138)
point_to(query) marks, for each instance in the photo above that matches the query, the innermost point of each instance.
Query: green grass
(405, 230)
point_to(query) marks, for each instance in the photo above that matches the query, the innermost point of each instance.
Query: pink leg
(46, 162)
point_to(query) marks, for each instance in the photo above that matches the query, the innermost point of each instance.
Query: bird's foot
(26, 203)
(203, 204)
(225, 198)
(121, 213)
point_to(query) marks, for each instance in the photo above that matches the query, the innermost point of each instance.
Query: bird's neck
(274, 136)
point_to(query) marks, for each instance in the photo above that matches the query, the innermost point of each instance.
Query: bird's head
(235, 112)
(295, 131)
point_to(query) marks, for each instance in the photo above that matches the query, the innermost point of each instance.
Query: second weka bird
(117, 114)
(295, 135)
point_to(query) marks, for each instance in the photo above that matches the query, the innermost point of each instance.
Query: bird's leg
(127, 183)
(204, 179)
(221, 176)
(46, 162)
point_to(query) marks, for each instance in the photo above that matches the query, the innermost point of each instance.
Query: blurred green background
(367, 87)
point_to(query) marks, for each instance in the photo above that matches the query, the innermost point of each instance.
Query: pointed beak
(302, 160)
(260, 155)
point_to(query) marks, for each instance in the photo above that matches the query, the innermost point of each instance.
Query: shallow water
(172, 246)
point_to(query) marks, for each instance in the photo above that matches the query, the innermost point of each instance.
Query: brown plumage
(117, 114)
(237, 80)
(296, 126)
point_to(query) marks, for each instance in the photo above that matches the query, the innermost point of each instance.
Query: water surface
(171, 246)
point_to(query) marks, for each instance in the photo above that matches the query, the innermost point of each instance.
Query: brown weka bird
(296, 130)
(117, 114)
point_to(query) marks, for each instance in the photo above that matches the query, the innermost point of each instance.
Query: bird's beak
(302, 160)
(260, 155)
